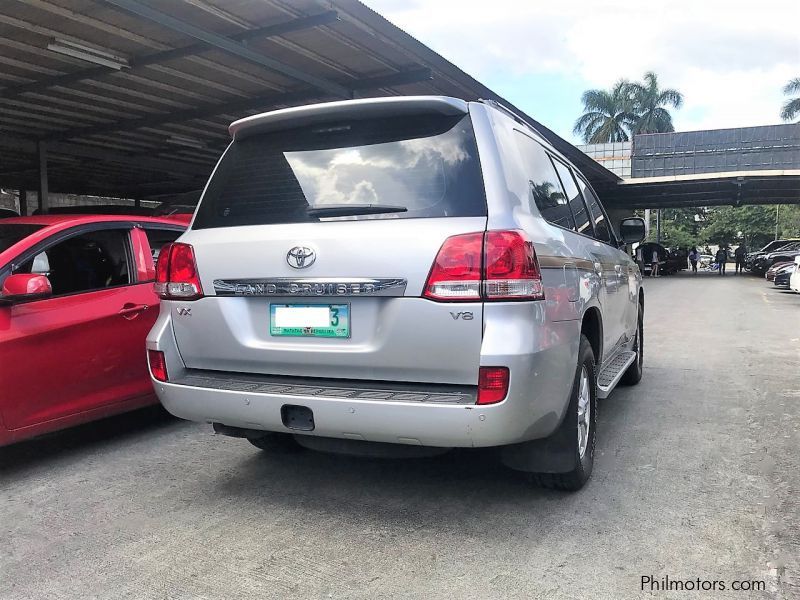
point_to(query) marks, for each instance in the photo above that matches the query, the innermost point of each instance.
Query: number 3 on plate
(334, 317)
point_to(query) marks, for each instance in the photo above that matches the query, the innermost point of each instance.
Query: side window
(582, 222)
(544, 188)
(602, 228)
(158, 238)
(90, 261)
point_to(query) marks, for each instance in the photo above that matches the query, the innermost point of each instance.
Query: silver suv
(400, 276)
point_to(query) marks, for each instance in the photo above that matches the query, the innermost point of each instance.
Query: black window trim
(71, 232)
(614, 240)
(163, 227)
(549, 154)
(614, 243)
(571, 171)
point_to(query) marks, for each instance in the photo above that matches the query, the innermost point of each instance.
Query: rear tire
(634, 373)
(578, 426)
(277, 443)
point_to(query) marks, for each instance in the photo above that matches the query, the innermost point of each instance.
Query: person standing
(640, 258)
(722, 258)
(654, 264)
(739, 255)
(694, 256)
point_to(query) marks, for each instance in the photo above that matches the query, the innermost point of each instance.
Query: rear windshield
(11, 233)
(427, 165)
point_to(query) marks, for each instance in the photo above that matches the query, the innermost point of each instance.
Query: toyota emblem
(301, 257)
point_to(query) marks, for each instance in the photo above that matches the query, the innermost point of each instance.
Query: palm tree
(791, 109)
(649, 102)
(607, 116)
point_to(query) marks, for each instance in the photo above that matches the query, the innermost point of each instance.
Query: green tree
(648, 103)
(788, 220)
(608, 115)
(626, 109)
(679, 228)
(753, 225)
(791, 109)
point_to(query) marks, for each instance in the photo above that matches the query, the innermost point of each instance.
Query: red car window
(90, 261)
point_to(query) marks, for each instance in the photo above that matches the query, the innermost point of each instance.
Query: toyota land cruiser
(400, 273)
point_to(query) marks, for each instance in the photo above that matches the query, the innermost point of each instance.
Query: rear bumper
(540, 366)
(369, 420)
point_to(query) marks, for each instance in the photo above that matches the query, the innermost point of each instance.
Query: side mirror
(25, 287)
(632, 230)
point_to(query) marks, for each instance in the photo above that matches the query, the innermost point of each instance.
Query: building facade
(767, 148)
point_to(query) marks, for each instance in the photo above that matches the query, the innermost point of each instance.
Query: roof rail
(510, 113)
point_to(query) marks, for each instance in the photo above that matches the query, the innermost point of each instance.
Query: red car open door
(83, 348)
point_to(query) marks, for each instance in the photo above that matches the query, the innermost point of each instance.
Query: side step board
(612, 372)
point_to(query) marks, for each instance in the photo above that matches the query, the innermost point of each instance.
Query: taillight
(492, 384)
(495, 265)
(158, 364)
(512, 270)
(456, 271)
(176, 273)
(162, 270)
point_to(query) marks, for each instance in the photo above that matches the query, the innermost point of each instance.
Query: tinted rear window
(427, 164)
(11, 233)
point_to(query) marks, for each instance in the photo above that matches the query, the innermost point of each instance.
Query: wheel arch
(592, 328)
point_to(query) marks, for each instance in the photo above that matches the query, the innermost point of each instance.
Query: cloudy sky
(730, 58)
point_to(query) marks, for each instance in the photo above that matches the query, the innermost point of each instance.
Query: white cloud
(730, 58)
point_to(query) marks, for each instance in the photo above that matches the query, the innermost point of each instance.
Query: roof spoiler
(367, 108)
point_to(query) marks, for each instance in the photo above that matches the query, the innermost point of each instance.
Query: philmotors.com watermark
(649, 583)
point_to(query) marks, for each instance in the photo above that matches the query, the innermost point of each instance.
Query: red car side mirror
(25, 287)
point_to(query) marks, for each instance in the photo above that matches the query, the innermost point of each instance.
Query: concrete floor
(696, 477)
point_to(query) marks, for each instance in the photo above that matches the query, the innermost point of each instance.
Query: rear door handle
(131, 311)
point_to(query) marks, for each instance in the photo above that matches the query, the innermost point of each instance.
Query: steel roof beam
(230, 46)
(393, 79)
(167, 55)
(241, 105)
(101, 154)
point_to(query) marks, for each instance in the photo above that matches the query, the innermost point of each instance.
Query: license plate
(310, 320)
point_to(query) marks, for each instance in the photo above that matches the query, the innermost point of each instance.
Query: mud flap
(553, 454)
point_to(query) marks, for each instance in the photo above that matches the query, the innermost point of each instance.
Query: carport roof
(155, 127)
(706, 189)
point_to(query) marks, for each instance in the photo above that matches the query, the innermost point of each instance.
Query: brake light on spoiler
(489, 266)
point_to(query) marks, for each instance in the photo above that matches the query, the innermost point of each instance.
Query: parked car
(770, 247)
(677, 260)
(77, 302)
(6, 213)
(794, 280)
(785, 254)
(645, 251)
(383, 289)
(783, 275)
(773, 270)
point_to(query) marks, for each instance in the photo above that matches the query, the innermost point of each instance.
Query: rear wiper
(343, 210)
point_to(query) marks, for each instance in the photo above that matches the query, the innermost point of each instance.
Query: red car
(76, 304)
(773, 270)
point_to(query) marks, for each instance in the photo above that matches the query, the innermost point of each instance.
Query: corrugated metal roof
(156, 127)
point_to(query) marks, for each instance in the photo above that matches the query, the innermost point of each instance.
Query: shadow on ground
(78, 440)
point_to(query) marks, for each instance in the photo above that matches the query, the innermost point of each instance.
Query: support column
(658, 226)
(23, 203)
(43, 199)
